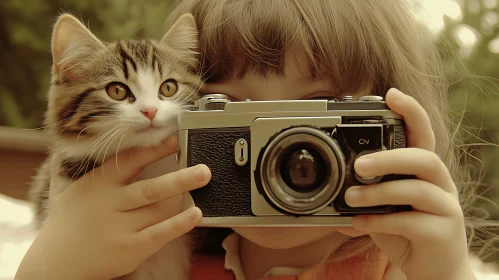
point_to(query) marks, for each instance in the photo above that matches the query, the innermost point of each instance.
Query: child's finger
(423, 164)
(413, 225)
(152, 214)
(156, 236)
(418, 125)
(421, 195)
(124, 166)
(149, 191)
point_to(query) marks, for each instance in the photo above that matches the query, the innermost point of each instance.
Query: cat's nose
(149, 113)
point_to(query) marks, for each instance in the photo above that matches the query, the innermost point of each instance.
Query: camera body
(284, 163)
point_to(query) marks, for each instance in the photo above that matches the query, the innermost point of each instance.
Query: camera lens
(303, 169)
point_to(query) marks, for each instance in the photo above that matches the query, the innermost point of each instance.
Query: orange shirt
(207, 267)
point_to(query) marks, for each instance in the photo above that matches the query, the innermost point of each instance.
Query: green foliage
(474, 101)
(25, 32)
(474, 97)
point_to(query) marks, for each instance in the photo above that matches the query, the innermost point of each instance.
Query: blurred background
(467, 28)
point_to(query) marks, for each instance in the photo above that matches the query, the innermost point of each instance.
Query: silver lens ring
(282, 195)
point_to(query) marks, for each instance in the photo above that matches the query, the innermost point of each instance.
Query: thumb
(397, 248)
(350, 231)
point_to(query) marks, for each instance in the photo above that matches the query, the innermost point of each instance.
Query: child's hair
(361, 45)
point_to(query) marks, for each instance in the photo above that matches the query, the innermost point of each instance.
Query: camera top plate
(217, 110)
(219, 101)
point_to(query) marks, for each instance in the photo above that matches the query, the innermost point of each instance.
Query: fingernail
(397, 91)
(397, 94)
(363, 164)
(200, 172)
(171, 142)
(353, 195)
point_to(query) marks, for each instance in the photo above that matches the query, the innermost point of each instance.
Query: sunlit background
(435, 12)
(468, 28)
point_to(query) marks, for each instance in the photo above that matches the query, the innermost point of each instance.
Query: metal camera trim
(271, 181)
(215, 101)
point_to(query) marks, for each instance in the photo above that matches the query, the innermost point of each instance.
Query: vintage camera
(284, 163)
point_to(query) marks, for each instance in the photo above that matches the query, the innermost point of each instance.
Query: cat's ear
(72, 42)
(183, 36)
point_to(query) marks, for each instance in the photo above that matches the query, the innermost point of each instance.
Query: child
(300, 49)
(292, 49)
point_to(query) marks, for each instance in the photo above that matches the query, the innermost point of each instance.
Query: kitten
(107, 97)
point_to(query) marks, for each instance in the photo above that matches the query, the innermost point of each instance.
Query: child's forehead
(294, 66)
(294, 82)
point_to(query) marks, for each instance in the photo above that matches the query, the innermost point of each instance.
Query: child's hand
(103, 226)
(430, 241)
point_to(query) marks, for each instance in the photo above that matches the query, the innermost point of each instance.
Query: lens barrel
(302, 170)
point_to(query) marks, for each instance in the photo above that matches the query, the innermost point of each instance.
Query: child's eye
(320, 96)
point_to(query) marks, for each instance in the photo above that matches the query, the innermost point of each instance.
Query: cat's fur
(87, 125)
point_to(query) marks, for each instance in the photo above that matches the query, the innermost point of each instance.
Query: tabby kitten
(107, 97)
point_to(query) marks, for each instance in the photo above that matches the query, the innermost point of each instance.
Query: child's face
(295, 84)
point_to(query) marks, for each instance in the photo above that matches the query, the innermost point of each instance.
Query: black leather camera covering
(228, 193)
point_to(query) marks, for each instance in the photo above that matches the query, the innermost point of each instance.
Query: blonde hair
(358, 44)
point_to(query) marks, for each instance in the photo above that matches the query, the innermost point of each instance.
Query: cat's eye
(118, 91)
(168, 88)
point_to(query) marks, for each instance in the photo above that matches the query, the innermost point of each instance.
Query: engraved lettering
(364, 141)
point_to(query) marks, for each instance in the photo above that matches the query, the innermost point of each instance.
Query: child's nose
(149, 113)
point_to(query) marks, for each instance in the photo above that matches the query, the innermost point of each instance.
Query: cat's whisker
(122, 132)
(100, 124)
(113, 137)
(62, 131)
(190, 94)
(96, 147)
(52, 124)
(193, 90)
(93, 147)
(88, 157)
(118, 148)
(188, 98)
(202, 73)
(185, 94)
(84, 163)
(103, 145)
